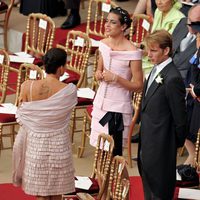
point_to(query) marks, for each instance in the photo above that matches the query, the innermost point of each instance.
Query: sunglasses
(197, 23)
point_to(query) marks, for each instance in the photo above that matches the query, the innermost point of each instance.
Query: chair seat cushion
(60, 34)
(37, 61)
(84, 101)
(5, 118)
(94, 189)
(89, 110)
(3, 6)
(73, 77)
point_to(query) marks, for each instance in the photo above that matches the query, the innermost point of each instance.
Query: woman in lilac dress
(42, 157)
(120, 73)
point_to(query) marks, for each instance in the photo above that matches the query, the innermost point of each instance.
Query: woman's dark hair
(53, 59)
(124, 16)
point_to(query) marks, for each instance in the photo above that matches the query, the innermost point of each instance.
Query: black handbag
(189, 176)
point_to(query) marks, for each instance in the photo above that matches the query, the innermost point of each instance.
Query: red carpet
(9, 192)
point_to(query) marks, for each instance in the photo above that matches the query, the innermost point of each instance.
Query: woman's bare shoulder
(105, 41)
(130, 46)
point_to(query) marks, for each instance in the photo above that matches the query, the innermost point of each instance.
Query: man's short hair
(161, 37)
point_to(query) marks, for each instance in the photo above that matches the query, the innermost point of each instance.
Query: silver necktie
(151, 78)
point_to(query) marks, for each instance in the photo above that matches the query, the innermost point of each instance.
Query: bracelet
(114, 78)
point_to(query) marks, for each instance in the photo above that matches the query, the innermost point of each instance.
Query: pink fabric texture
(42, 157)
(112, 96)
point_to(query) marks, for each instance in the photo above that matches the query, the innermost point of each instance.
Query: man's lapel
(149, 93)
(154, 86)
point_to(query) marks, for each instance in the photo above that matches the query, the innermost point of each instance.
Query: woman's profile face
(113, 25)
(164, 5)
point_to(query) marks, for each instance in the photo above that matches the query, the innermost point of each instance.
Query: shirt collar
(162, 65)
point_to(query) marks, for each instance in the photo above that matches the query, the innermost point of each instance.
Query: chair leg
(129, 153)
(5, 40)
(1, 142)
(83, 139)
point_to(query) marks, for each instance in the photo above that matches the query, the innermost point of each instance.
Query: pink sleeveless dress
(112, 96)
(42, 156)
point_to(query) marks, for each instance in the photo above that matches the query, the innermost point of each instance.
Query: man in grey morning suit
(181, 58)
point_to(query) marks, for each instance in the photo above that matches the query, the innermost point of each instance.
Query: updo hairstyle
(53, 59)
(124, 16)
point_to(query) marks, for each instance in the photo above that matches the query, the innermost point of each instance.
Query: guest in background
(167, 15)
(187, 4)
(145, 6)
(73, 18)
(52, 8)
(120, 73)
(184, 47)
(194, 26)
(42, 157)
(163, 120)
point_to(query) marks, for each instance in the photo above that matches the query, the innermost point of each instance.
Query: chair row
(109, 176)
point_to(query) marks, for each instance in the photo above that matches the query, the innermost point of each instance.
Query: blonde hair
(161, 37)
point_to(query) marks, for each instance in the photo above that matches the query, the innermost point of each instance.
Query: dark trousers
(72, 4)
(148, 194)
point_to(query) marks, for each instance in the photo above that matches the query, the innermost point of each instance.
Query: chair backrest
(40, 33)
(4, 57)
(97, 13)
(118, 186)
(6, 11)
(197, 153)
(95, 83)
(78, 46)
(4, 72)
(102, 161)
(27, 72)
(138, 27)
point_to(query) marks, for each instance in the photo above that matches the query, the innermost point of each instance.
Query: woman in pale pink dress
(120, 73)
(42, 157)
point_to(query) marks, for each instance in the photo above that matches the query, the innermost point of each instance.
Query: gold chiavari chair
(101, 168)
(97, 13)
(5, 11)
(39, 35)
(136, 102)
(4, 65)
(8, 120)
(87, 112)
(197, 153)
(6, 61)
(118, 182)
(118, 186)
(139, 28)
(78, 46)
